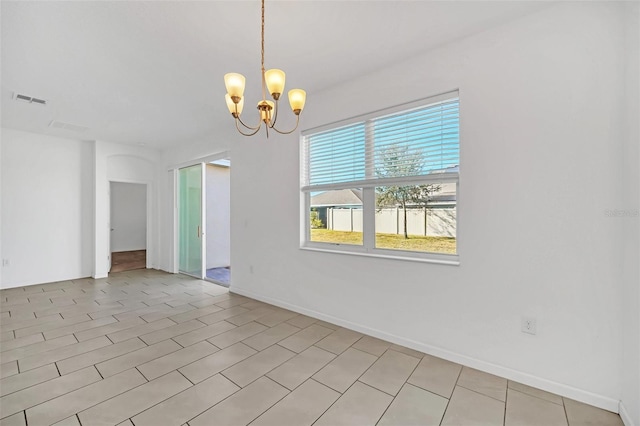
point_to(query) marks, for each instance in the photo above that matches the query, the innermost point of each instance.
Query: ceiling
(151, 73)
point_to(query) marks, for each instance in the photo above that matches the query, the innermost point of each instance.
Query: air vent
(29, 99)
(67, 126)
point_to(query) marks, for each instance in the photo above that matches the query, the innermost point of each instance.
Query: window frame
(368, 247)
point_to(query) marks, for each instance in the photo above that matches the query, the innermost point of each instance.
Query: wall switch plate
(5, 262)
(529, 325)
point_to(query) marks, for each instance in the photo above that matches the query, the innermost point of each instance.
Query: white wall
(47, 208)
(541, 121)
(631, 224)
(218, 226)
(128, 216)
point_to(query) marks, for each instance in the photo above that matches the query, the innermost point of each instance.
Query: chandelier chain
(264, 93)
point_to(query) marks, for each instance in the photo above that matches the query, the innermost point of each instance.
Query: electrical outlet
(529, 325)
(5, 262)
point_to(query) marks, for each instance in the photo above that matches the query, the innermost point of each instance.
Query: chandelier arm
(290, 131)
(275, 114)
(247, 134)
(248, 127)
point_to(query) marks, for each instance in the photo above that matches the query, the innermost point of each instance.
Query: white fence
(432, 222)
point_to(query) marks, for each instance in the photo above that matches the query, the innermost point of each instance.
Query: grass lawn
(388, 241)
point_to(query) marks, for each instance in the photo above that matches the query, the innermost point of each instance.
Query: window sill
(454, 261)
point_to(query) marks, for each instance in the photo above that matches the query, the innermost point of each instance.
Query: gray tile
(116, 311)
(136, 358)
(254, 304)
(21, 341)
(233, 301)
(436, 375)
(243, 406)
(525, 409)
(62, 353)
(556, 399)
(139, 330)
(237, 334)
(34, 395)
(340, 373)
(32, 377)
(37, 348)
(294, 372)
(203, 333)
(71, 403)
(8, 369)
(196, 313)
(326, 324)
(302, 321)
(14, 324)
(484, 383)
(170, 311)
(135, 401)
(372, 345)
(414, 406)
(15, 420)
(69, 421)
(172, 331)
(407, 351)
(257, 365)
(108, 329)
(222, 315)
(163, 365)
(587, 415)
(305, 338)
(467, 407)
(301, 407)
(215, 363)
(6, 335)
(188, 404)
(390, 371)
(276, 317)
(250, 316)
(96, 356)
(338, 341)
(270, 336)
(76, 328)
(361, 405)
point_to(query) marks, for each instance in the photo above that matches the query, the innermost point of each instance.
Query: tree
(396, 160)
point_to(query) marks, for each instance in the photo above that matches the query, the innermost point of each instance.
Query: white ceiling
(152, 72)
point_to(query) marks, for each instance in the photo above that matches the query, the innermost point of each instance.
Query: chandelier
(273, 81)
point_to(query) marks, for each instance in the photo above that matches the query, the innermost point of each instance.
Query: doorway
(204, 221)
(128, 219)
(218, 221)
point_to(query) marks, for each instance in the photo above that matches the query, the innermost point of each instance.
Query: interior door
(190, 214)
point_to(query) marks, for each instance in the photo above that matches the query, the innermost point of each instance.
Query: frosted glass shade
(232, 106)
(235, 84)
(297, 98)
(275, 81)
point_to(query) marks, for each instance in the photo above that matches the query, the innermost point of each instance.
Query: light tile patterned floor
(149, 348)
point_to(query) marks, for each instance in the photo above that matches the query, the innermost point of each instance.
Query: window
(385, 183)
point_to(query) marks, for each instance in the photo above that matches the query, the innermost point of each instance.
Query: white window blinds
(389, 146)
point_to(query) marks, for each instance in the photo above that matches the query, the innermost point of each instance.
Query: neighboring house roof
(342, 197)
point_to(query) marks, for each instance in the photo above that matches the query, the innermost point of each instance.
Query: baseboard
(30, 283)
(624, 415)
(586, 397)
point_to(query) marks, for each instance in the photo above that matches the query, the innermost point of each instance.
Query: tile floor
(149, 348)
